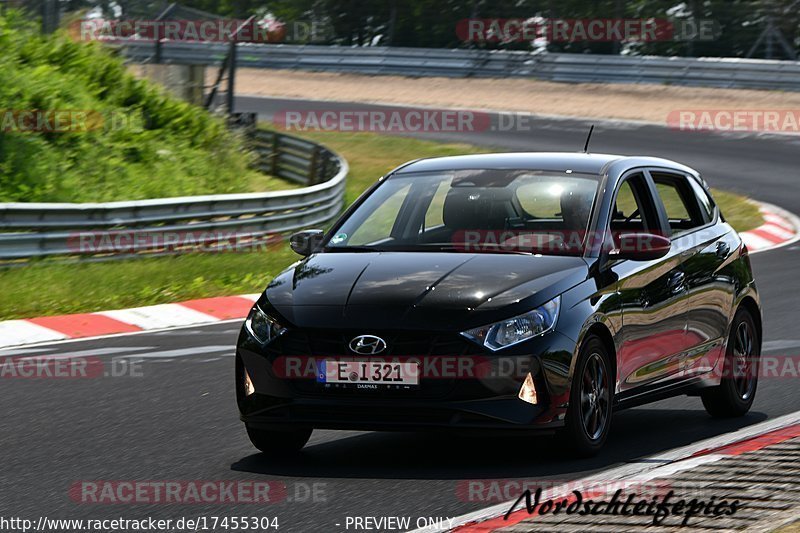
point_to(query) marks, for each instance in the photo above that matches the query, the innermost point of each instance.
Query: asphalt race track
(178, 419)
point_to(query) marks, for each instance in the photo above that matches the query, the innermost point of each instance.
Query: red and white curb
(780, 228)
(164, 316)
(663, 465)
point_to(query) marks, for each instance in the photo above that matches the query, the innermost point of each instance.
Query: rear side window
(706, 203)
(680, 202)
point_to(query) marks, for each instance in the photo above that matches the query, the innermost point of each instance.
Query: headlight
(263, 327)
(517, 329)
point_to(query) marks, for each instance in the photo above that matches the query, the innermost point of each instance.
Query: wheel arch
(601, 331)
(749, 303)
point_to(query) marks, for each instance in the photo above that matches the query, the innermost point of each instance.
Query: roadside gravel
(651, 103)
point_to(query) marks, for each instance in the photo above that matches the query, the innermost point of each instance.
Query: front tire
(272, 441)
(589, 415)
(735, 394)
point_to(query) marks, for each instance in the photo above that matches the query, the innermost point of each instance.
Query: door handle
(675, 282)
(723, 249)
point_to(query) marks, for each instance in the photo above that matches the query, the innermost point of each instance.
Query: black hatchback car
(533, 291)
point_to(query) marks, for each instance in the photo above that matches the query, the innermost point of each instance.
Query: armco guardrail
(701, 72)
(292, 158)
(120, 229)
(460, 63)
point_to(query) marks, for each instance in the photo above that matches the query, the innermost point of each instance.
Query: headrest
(576, 206)
(477, 208)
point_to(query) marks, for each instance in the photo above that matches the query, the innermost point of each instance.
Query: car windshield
(492, 211)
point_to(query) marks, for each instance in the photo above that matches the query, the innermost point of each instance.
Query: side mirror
(641, 247)
(305, 242)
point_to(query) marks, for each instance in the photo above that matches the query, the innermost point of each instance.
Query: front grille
(315, 343)
(319, 344)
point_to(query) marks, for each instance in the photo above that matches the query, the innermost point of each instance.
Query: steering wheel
(632, 215)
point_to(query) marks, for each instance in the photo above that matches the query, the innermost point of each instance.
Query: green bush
(149, 144)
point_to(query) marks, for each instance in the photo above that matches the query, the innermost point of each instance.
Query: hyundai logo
(367, 344)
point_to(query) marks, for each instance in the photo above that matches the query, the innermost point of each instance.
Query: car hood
(417, 290)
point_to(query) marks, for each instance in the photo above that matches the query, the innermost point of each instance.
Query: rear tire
(735, 394)
(272, 441)
(590, 405)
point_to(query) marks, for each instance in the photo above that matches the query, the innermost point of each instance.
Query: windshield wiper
(489, 249)
(463, 248)
(355, 249)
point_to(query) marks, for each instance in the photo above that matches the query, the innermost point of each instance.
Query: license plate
(368, 372)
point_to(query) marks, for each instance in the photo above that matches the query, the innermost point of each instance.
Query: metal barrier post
(231, 76)
(313, 169)
(274, 155)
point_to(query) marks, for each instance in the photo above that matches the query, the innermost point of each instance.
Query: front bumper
(486, 400)
(397, 415)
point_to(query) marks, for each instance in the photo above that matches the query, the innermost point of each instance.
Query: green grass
(54, 289)
(132, 139)
(740, 213)
(47, 288)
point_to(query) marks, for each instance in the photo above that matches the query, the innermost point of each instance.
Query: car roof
(552, 161)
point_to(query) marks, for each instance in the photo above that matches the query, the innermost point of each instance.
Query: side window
(680, 202)
(633, 209)
(379, 223)
(626, 207)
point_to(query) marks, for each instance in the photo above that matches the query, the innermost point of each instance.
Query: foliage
(432, 23)
(144, 143)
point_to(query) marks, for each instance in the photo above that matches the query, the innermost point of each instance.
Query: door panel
(654, 316)
(711, 295)
(652, 294)
(705, 247)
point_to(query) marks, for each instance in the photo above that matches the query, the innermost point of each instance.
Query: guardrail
(168, 225)
(461, 63)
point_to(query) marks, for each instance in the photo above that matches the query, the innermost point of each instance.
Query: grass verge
(48, 288)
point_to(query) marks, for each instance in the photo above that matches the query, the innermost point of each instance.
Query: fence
(461, 63)
(29, 230)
